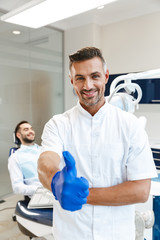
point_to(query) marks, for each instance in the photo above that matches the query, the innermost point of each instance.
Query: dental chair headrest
(16, 140)
(124, 101)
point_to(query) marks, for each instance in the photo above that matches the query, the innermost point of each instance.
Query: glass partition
(31, 84)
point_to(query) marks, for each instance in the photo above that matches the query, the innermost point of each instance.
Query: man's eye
(79, 78)
(95, 76)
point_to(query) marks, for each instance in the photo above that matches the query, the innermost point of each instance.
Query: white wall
(128, 46)
(132, 45)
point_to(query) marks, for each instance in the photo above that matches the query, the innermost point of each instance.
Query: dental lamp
(125, 100)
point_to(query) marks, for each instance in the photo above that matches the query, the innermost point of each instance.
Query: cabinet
(156, 199)
(150, 88)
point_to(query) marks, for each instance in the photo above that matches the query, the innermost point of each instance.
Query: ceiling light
(38, 13)
(16, 32)
(100, 7)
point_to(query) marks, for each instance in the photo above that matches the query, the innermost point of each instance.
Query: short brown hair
(17, 140)
(85, 54)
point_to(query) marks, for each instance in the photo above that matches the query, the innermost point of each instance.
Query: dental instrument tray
(42, 198)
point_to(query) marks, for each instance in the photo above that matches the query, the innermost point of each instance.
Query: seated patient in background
(22, 164)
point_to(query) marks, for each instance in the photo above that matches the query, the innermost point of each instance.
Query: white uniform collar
(98, 114)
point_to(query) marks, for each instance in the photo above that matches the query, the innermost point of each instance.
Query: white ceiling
(113, 12)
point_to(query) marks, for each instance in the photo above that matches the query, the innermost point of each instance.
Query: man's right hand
(68, 189)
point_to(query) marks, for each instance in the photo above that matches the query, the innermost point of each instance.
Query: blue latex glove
(68, 189)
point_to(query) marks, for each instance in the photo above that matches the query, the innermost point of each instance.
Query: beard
(27, 140)
(92, 101)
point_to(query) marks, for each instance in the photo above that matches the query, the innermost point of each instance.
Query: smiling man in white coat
(95, 159)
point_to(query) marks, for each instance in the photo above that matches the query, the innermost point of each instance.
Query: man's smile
(89, 94)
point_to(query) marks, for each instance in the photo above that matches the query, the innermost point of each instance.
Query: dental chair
(32, 222)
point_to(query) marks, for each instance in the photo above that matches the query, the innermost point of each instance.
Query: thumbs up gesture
(68, 189)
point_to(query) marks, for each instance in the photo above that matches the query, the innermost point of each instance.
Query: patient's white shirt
(22, 166)
(109, 148)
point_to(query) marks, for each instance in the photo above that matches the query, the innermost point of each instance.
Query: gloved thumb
(70, 164)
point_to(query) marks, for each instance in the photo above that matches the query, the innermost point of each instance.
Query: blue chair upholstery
(12, 150)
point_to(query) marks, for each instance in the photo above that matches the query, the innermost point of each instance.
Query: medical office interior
(34, 82)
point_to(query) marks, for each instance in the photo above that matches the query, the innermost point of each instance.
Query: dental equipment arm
(129, 103)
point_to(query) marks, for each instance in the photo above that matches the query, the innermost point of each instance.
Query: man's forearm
(123, 194)
(48, 165)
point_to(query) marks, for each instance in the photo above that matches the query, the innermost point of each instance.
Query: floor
(8, 228)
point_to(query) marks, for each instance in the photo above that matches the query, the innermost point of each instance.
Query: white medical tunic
(22, 166)
(109, 148)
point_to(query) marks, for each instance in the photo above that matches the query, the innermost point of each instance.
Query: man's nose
(88, 84)
(31, 131)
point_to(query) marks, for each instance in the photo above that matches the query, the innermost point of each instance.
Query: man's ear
(18, 135)
(107, 76)
(71, 79)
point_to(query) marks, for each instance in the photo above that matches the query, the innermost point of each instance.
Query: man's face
(26, 134)
(88, 79)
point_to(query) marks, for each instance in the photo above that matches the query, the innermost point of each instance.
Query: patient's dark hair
(18, 127)
(86, 54)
